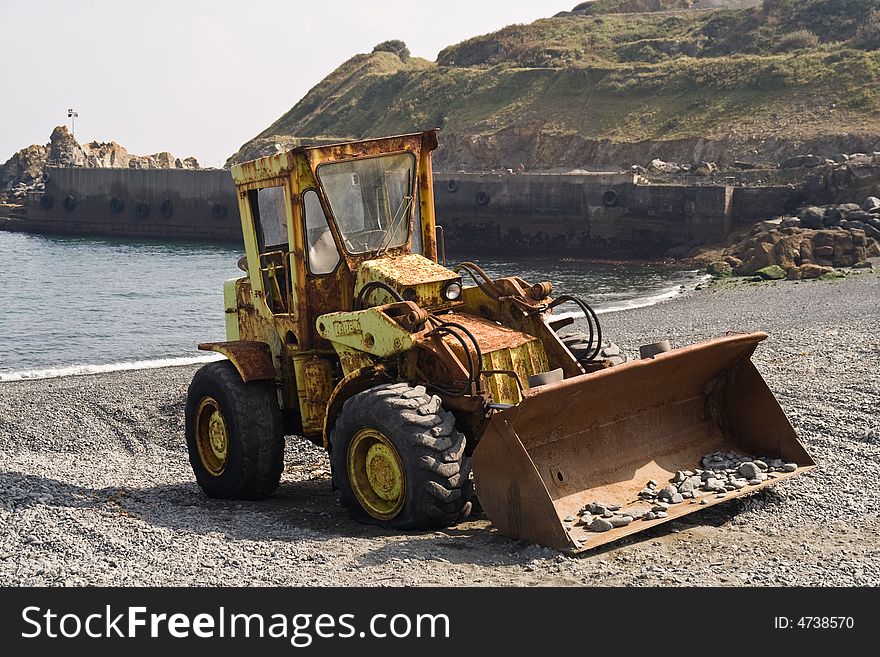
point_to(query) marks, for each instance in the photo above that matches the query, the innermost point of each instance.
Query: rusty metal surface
(602, 436)
(413, 276)
(409, 270)
(490, 335)
(314, 376)
(253, 360)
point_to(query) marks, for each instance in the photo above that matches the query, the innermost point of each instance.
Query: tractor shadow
(310, 510)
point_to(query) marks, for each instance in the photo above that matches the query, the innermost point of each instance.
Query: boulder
(793, 274)
(26, 166)
(849, 207)
(772, 224)
(825, 253)
(733, 261)
(807, 251)
(833, 215)
(757, 258)
(792, 162)
(719, 269)
(859, 237)
(843, 243)
(791, 222)
(858, 215)
(63, 149)
(809, 271)
(823, 238)
(840, 158)
(704, 168)
(831, 275)
(787, 252)
(873, 248)
(812, 160)
(871, 203)
(771, 273)
(871, 231)
(811, 216)
(659, 166)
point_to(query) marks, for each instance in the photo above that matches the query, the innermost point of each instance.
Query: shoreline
(100, 492)
(58, 370)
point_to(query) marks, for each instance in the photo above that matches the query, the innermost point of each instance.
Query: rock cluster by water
(721, 473)
(809, 245)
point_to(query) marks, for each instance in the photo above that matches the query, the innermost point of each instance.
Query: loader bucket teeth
(603, 436)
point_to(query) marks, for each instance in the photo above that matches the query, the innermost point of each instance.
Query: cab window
(267, 207)
(323, 255)
(270, 221)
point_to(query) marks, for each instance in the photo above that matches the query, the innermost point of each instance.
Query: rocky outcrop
(24, 168)
(809, 245)
(23, 172)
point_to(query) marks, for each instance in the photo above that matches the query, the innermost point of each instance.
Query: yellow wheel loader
(430, 393)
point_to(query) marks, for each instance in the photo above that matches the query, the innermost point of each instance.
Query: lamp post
(72, 116)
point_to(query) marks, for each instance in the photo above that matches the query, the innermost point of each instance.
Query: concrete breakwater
(594, 214)
(590, 214)
(195, 205)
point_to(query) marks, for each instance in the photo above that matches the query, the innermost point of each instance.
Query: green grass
(615, 76)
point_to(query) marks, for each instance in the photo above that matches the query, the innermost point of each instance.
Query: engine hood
(415, 277)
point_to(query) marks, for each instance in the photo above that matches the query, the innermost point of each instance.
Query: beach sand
(96, 488)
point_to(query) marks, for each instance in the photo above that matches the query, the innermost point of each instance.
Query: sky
(200, 77)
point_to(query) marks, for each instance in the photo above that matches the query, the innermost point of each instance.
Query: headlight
(452, 291)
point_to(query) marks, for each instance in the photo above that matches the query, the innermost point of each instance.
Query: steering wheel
(365, 240)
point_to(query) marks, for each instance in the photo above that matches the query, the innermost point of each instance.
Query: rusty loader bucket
(603, 436)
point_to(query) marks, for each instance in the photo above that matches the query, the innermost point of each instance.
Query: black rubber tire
(483, 198)
(219, 211)
(47, 201)
(256, 438)
(610, 198)
(429, 446)
(117, 205)
(69, 202)
(452, 185)
(579, 345)
(166, 209)
(142, 210)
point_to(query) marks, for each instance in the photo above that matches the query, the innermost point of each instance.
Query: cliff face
(598, 87)
(24, 170)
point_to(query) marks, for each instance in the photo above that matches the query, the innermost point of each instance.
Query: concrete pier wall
(599, 215)
(150, 203)
(594, 214)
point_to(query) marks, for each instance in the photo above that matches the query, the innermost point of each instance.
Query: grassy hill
(598, 87)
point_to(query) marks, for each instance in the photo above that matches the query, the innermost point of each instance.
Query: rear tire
(247, 464)
(397, 459)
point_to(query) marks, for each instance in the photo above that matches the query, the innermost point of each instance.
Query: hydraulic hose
(592, 321)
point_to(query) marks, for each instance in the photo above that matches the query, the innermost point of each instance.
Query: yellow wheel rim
(212, 436)
(376, 474)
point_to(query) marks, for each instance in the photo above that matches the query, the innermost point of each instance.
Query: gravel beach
(96, 489)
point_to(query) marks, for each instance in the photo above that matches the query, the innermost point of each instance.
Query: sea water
(73, 305)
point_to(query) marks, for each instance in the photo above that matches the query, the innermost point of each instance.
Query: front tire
(397, 459)
(233, 434)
